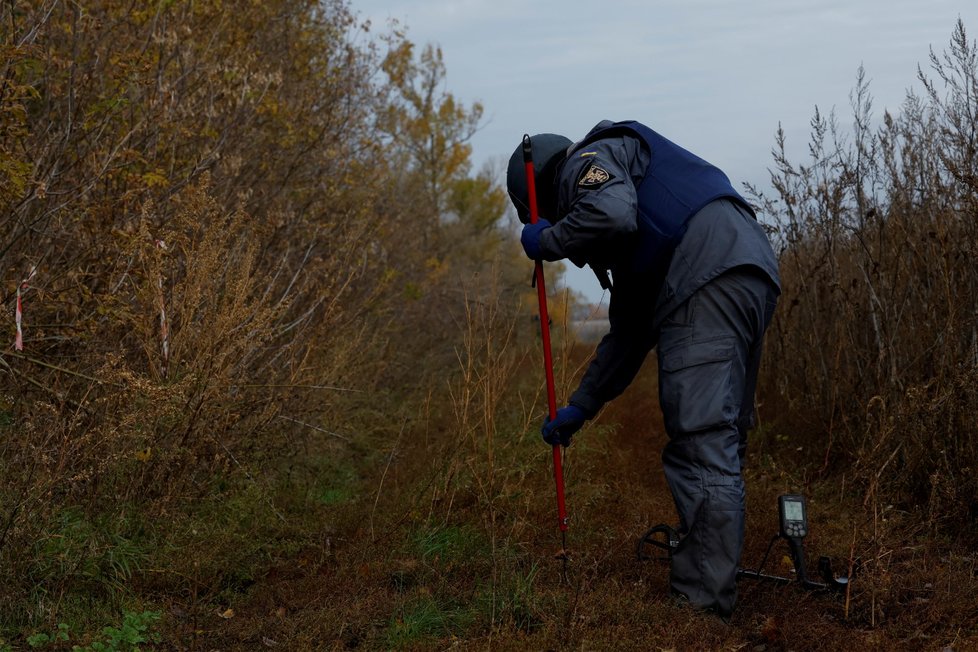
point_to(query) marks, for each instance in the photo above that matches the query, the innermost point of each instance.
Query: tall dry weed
(876, 340)
(170, 408)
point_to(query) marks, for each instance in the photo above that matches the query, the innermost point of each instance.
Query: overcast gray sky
(715, 76)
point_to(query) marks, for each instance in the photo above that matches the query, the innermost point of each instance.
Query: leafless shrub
(226, 260)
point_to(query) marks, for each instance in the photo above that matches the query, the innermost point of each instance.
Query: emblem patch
(594, 176)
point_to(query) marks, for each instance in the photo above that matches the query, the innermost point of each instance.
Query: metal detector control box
(794, 516)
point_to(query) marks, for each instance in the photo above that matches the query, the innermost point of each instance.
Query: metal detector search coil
(660, 542)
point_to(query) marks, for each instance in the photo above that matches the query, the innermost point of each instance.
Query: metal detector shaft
(548, 363)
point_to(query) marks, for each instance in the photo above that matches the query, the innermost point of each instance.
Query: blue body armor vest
(676, 186)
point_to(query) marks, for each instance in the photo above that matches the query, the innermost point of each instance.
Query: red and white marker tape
(19, 314)
(164, 327)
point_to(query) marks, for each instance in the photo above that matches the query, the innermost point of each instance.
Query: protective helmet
(549, 150)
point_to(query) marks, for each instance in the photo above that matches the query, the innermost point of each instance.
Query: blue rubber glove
(530, 238)
(568, 421)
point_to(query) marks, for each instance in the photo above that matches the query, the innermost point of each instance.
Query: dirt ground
(376, 587)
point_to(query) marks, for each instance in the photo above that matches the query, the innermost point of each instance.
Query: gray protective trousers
(709, 351)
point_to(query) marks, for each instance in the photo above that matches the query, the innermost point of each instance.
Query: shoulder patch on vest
(586, 154)
(594, 176)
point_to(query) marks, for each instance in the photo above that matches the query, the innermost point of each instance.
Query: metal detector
(660, 542)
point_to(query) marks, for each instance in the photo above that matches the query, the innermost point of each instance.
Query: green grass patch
(103, 550)
(76, 569)
(449, 543)
(333, 495)
(425, 619)
(513, 603)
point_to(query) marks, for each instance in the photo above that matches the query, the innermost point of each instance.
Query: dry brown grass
(452, 564)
